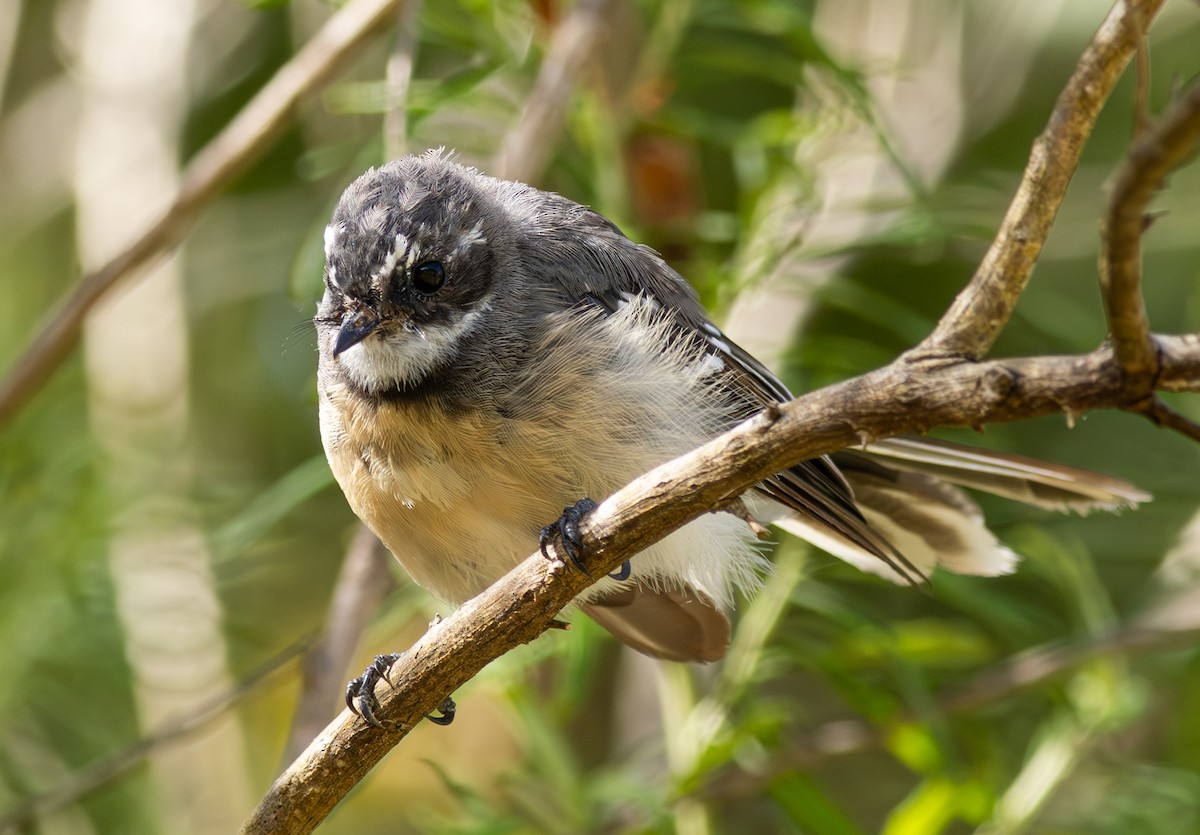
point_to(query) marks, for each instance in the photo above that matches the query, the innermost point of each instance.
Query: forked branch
(980, 312)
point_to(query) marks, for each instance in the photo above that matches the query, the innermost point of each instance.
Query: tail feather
(930, 522)
(1017, 477)
(906, 490)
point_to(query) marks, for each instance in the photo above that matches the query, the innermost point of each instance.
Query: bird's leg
(360, 693)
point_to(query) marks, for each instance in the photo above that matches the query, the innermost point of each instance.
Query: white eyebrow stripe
(403, 244)
(401, 248)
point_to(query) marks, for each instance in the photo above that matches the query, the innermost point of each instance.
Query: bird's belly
(458, 506)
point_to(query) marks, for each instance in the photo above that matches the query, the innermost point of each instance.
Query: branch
(972, 324)
(1163, 415)
(244, 139)
(1175, 373)
(1161, 148)
(527, 600)
(527, 146)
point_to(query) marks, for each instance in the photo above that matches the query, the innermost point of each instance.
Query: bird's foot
(566, 531)
(360, 693)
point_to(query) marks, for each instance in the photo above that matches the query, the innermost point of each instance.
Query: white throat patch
(404, 357)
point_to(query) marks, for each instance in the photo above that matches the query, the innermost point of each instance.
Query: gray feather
(1018, 477)
(675, 625)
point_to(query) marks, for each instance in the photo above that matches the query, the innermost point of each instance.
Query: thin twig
(399, 78)
(526, 149)
(88, 779)
(361, 586)
(232, 151)
(10, 24)
(523, 604)
(1165, 416)
(1005, 269)
(1141, 96)
(1164, 146)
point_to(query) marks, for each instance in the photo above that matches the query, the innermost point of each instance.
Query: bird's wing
(609, 272)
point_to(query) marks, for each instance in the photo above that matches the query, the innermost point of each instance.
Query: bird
(490, 353)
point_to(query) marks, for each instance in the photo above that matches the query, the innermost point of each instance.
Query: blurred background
(826, 172)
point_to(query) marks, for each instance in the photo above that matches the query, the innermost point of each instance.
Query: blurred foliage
(702, 116)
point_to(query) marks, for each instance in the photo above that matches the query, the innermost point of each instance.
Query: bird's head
(409, 271)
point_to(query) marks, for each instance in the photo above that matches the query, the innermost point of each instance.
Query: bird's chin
(387, 362)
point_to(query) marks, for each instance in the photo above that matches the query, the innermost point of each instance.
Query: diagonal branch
(972, 324)
(91, 777)
(526, 602)
(527, 146)
(1163, 415)
(252, 131)
(361, 586)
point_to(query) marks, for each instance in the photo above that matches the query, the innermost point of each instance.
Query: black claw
(566, 530)
(446, 708)
(623, 572)
(360, 693)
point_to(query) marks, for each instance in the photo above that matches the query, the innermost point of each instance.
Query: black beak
(356, 327)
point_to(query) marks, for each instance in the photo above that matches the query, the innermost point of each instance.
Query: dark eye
(428, 277)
